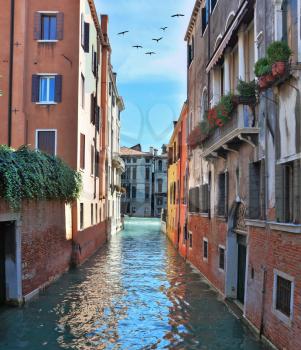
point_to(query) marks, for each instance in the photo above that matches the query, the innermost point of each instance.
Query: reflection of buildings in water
(179, 311)
(92, 308)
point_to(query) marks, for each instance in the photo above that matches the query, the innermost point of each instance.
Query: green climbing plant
(31, 174)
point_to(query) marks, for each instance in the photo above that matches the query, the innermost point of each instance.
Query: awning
(222, 46)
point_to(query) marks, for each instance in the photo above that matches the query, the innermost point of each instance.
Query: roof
(95, 19)
(125, 151)
(193, 18)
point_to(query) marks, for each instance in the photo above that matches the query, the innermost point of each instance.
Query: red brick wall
(274, 250)
(88, 241)
(44, 249)
(215, 231)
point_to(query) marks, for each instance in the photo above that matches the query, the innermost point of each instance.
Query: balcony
(240, 129)
(117, 162)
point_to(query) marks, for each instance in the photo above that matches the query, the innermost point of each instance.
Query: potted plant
(278, 54)
(263, 71)
(246, 92)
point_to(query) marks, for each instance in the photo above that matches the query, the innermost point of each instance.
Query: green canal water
(136, 293)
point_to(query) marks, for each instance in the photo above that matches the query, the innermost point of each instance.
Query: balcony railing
(242, 127)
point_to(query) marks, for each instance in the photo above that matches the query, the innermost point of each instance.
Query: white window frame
(219, 248)
(48, 13)
(205, 239)
(47, 75)
(284, 318)
(55, 139)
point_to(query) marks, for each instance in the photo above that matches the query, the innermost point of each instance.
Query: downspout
(11, 64)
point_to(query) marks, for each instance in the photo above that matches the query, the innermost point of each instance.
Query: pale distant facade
(145, 182)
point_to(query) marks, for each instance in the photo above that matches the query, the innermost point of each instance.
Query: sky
(153, 87)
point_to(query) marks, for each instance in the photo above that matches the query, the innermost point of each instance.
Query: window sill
(286, 227)
(255, 223)
(282, 317)
(46, 103)
(47, 41)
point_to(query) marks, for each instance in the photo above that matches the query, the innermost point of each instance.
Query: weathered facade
(56, 76)
(245, 175)
(177, 185)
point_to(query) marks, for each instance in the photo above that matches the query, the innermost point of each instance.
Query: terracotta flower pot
(269, 78)
(262, 82)
(278, 68)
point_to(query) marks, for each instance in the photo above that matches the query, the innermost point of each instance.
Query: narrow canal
(136, 293)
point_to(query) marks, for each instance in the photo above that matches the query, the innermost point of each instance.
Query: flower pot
(269, 78)
(262, 82)
(279, 68)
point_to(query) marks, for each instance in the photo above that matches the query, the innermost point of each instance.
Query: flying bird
(138, 46)
(157, 40)
(178, 15)
(122, 33)
(163, 28)
(150, 53)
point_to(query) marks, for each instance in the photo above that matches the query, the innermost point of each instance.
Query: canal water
(136, 293)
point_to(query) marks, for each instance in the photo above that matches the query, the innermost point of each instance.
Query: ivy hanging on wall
(31, 174)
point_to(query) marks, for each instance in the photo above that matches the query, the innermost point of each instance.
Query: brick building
(55, 68)
(244, 173)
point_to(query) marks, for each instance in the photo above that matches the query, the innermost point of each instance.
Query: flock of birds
(150, 53)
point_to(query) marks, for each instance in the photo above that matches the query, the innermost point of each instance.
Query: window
(256, 205)
(46, 141)
(147, 190)
(221, 263)
(222, 195)
(133, 210)
(190, 239)
(147, 173)
(96, 213)
(48, 29)
(128, 173)
(85, 34)
(160, 165)
(92, 160)
(134, 192)
(134, 160)
(147, 160)
(48, 26)
(204, 205)
(283, 295)
(94, 61)
(97, 164)
(134, 173)
(204, 104)
(288, 192)
(81, 215)
(46, 89)
(92, 214)
(159, 201)
(205, 249)
(83, 91)
(160, 185)
(194, 198)
(82, 151)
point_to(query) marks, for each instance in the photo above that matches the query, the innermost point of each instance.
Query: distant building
(145, 181)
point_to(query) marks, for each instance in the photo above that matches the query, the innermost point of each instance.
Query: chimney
(151, 150)
(164, 149)
(155, 152)
(175, 123)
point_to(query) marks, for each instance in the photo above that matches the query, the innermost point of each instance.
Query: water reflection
(136, 293)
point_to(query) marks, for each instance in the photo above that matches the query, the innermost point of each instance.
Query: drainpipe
(261, 329)
(11, 64)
